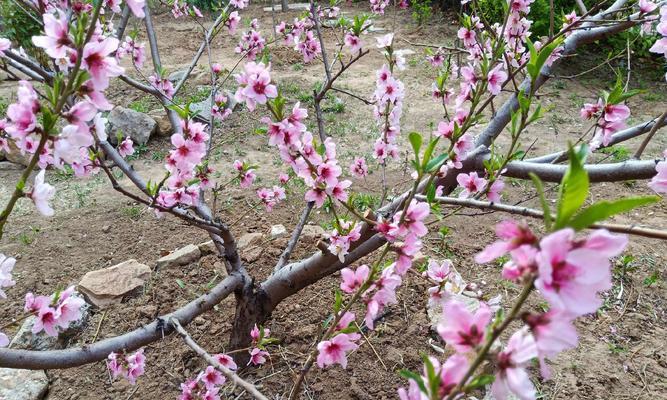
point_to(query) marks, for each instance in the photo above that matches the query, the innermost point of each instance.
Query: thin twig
(648, 138)
(212, 361)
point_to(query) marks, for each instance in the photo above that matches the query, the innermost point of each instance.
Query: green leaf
(338, 301)
(543, 201)
(435, 162)
(481, 381)
(433, 378)
(416, 142)
(429, 151)
(605, 209)
(407, 374)
(573, 187)
(180, 283)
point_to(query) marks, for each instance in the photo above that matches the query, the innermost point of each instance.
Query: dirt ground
(622, 354)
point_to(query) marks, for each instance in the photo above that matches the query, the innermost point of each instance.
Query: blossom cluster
(252, 43)
(567, 271)
(54, 312)
(300, 34)
(208, 382)
(610, 118)
(129, 366)
(133, 49)
(388, 103)
(334, 350)
(184, 163)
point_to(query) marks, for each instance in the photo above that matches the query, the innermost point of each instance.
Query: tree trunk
(250, 310)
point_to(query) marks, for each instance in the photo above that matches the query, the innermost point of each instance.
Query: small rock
(202, 108)
(249, 239)
(251, 254)
(147, 311)
(8, 165)
(312, 232)
(23, 384)
(130, 123)
(106, 228)
(294, 6)
(160, 116)
(207, 248)
(14, 155)
(278, 231)
(109, 285)
(184, 255)
(404, 52)
(176, 76)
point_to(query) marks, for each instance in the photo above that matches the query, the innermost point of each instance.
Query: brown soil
(622, 352)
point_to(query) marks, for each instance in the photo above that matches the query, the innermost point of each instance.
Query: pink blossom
(521, 264)
(616, 112)
(659, 181)
(135, 365)
(232, 22)
(464, 144)
(471, 184)
(646, 6)
(97, 62)
(358, 167)
(211, 377)
(512, 234)
(353, 43)
(512, 376)
(5, 44)
(494, 193)
(439, 272)
(570, 273)
(445, 129)
(345, 320)
(47, 320)
(405, 251)
(352, 280)
(126, 148)
(589, 109)
(334, 351)
(462, 329)
(41, 194)
(255, 85)
(554, 332)
(496, 77)
(413, 222)
(137, 7)
(451, 373)
(226, 361)
(6, 267)
(57, 41)
(385, 40)
(385, 294)
(660, 47)
(317, 195)
(257, 356)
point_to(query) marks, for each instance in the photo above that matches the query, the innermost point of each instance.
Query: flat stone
(14, 155)
(130, 123)
(251, 254)
(207, 248)
(24, 339)
(23, 384)
(177, 75)
(312, 232)
(294, 6)
(110, 285)
(184, 255)
(249, 239)
(278, 231)
(203, 109)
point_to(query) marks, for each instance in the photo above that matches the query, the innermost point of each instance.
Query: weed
(139, 150)
(618, 153)
(132, 212)
(142, 105)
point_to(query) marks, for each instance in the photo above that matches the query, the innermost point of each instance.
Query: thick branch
(530, 212)
(249, 387)
(157, 330)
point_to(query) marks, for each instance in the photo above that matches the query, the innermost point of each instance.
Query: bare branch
(530, 212)
(284, 257)
(249, 387)
(614, 172)
(157, 330)
(660, 122)
(618, 137)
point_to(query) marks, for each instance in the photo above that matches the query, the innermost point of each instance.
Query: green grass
(142, 105)
(132, 212)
